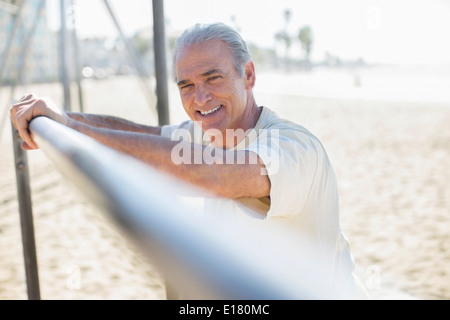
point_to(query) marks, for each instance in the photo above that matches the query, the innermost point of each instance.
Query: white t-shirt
(303, 197)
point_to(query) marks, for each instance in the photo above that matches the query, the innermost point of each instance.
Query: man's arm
(114, 123)
(30, 106)
(243, 178)
(226, 180)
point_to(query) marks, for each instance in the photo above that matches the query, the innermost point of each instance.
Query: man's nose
(202, 95)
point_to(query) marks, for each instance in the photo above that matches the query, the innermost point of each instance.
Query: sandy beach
(390, 154)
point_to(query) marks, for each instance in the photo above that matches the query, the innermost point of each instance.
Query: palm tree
(305, 36)
(283, 36)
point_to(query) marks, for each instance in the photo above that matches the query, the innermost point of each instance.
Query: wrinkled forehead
(201, 57)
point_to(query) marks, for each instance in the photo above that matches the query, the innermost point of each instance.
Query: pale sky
(380, 31)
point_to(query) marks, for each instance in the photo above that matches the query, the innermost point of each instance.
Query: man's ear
(250, 76)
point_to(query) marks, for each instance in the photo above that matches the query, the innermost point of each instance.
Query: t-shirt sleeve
(290, 158)
(178, 131)
(168, 130)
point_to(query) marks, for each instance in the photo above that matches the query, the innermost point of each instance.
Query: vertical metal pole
(63, 57)
(162, 95)
(26, 218)
(159, 42)
(76, 55)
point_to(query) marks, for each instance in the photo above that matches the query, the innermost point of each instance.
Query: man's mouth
(205, 113)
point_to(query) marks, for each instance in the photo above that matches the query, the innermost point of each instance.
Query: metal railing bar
(206, 258)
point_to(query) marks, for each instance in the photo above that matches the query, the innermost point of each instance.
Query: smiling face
(211, 90)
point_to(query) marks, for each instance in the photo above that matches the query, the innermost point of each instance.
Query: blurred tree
(283, 36)
(287, 14)
(305, 36)
(263, 57)
(141, 41)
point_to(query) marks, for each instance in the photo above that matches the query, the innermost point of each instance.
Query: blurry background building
(41, 63)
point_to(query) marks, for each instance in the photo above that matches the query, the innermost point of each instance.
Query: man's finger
(17, 108)
(22, 103)
(13, 112)
(28, 96)
(26, 136)
(25, 146)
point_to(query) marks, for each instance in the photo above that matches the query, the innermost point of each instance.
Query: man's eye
(213, 78)
(186, 86)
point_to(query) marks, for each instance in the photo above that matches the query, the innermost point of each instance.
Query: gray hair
(201, 33)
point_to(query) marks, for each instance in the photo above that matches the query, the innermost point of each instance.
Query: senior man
(263, 169)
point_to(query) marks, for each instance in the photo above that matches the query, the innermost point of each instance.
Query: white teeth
(210, 111)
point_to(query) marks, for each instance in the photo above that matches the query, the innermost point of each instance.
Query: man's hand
(31, 106)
